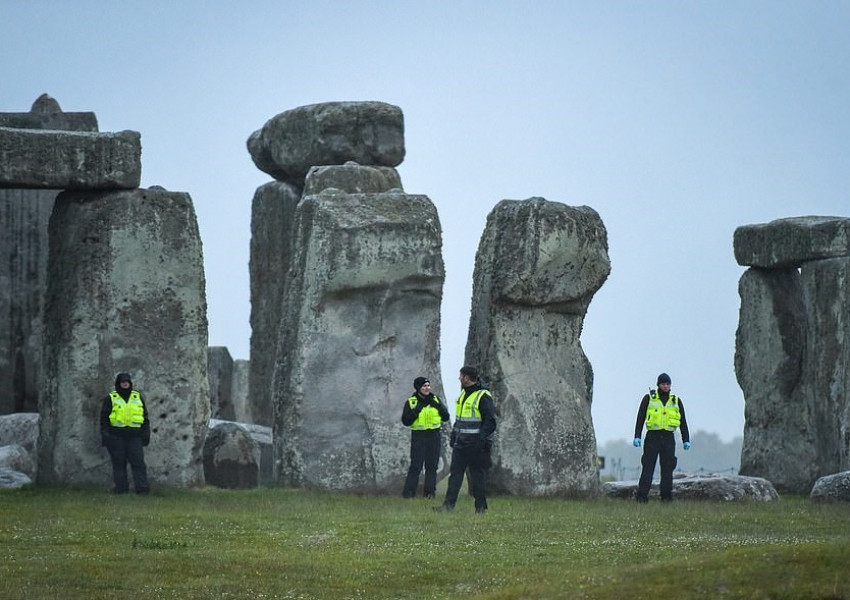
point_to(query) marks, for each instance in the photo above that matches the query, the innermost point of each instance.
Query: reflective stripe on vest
(429, 417)
(662, 416)
(129, 413)
(467, 415)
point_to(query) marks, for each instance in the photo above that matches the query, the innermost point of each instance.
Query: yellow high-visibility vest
(663, 416)
(129, 413)
(429, 417)
(467, 415)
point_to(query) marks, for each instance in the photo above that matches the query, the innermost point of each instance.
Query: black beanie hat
(123, 377)
(419, 382)
(663, 378)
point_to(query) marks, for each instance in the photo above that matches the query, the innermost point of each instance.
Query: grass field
(279, 543)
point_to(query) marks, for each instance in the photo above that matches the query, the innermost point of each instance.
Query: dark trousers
(476, 461)
(661, 446)
(123, 450)
(424, 451)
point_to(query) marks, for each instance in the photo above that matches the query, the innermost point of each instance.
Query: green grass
(279, 543)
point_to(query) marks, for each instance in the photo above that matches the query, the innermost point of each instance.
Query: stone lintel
(788, 243)
(71, 160)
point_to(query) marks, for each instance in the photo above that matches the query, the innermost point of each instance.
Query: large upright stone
(331, 133)
(770, 347)
(826, 284)
(239, 391)
(360, 320)
(70, 160)
(788, 243)
(538, 266)
(24, 215)
(272, 233)
(220, 374)
(126, 292)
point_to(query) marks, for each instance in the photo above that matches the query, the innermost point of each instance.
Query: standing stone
(126, 293)
(220, 374)
(272, 232)
(239, 391)
(770, 346)
(538, 265)
(24, 215)
(331, 133)
(793, 348)
(827, 365)
(360, 320)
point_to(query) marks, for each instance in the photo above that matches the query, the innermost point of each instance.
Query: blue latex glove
(686, 445)
(636, 443)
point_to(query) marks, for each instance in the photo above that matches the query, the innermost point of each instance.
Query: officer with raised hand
(424, 413)
(662, 413)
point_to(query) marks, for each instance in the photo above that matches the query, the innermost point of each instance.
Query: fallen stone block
(834, 487)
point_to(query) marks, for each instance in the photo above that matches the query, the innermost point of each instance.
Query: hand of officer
(636, 443)
(686, 445)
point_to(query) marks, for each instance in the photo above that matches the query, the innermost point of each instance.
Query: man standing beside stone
(662, 412)
(472, 439)
(124, 430)
(424, 413)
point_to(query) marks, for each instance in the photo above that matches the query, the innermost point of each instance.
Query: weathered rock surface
(769, 359)
(239, 391)
(361, 315)
(272, 234)
(331, 133)
(832, 488)
(126, 292)
(262, 435)
(231, 457)
(220, 375)
(16, 458)
(10, 479)
(727, 488)
(20, 428)
(352, 178)
(538, 265)
(788, 243)
(70, 160)
(47, 114)
(792, 350)
(24, 215)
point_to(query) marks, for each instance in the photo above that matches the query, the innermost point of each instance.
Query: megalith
(126, 293)
(272, 227)
(348, 146)
(792, 348)
(220, 374)
(538, 265)
(24, 214)
(330, 133)
(360, 319)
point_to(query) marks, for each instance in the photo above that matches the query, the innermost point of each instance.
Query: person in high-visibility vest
(424, 413)
(125, 430)
(662, 413)
(471, 441)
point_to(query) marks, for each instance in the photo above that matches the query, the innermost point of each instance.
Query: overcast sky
(676, 121)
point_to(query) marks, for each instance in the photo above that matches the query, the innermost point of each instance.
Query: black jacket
(487, 408)
(664, 397)
(106, 428)
(409, 415)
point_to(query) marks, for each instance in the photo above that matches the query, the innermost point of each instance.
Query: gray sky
(676, 121)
